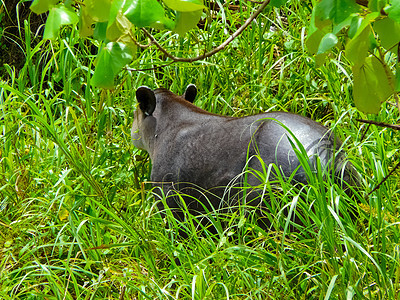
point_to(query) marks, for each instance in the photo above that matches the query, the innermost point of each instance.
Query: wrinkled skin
(190, 147)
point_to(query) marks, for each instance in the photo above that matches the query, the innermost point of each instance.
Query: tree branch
(384, 179)
(215, 50)
(362, 2)
(396, 127)
(392, 126)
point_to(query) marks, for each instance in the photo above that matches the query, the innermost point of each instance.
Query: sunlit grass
(79, 221)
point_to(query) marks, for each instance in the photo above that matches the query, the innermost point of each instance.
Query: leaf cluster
(114, 23)
(371, 34)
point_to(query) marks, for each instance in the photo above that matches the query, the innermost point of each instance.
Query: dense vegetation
(79, 221)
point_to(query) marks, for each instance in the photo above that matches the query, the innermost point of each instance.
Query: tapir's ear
(147, 100)
(190, 93)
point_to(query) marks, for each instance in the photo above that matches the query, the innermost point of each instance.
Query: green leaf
(315, 33)
(143, 13)
(336, 10)
(119, 27)
(314, 40)
(376, 5)
(185, 5)
(366, 22)
(121, 31)
(164, 23)
(389, 33)
(85, 23)
(41, 6)
(58, 16)
(354, 25)
(357, 48)
(186, 21)
(371, 85)
(327, 42)
(109, 62)
(99, 10)
(320, 17)
(338, 27)
(394, 10)
(100, 30)
(312, 27)
(372, 43)
(115, 10)
(320, 59)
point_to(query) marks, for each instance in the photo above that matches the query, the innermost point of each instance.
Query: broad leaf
(119, 27)
(336, 10)
(371, 85)
(394, 10)
(115, 9)
(121, 31)
(41, 6)
(58, 16)
(320, 16)
(376, 5)
(354, 26)
(357, 48)
(185, 5)
(186, 21)
(315, 33)
(338, 27)
(85, 23)
(143, 13)
(100, 30)
(366, 22)
(99, 10)
(314, 40)
(327, 42)
(389, 33)
(109, 62)
(164, 23)
(312, 27)
(320, 59)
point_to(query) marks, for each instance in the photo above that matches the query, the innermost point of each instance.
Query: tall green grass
(79, 221)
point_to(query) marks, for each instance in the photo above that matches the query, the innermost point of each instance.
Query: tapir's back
(210, 151)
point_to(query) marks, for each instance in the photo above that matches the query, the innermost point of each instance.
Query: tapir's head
(148, 111)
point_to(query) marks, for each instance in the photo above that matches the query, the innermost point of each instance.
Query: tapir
(202, 154)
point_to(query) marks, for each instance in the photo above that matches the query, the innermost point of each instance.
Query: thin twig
(384, 179)
(365, 132)
(392, 126)
(139, 44)
(216, 49)
(362, 2)
(396, 127)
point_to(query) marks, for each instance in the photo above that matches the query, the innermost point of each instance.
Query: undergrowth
(79, 221)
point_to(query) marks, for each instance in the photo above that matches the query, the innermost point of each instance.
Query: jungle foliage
(78, 218)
